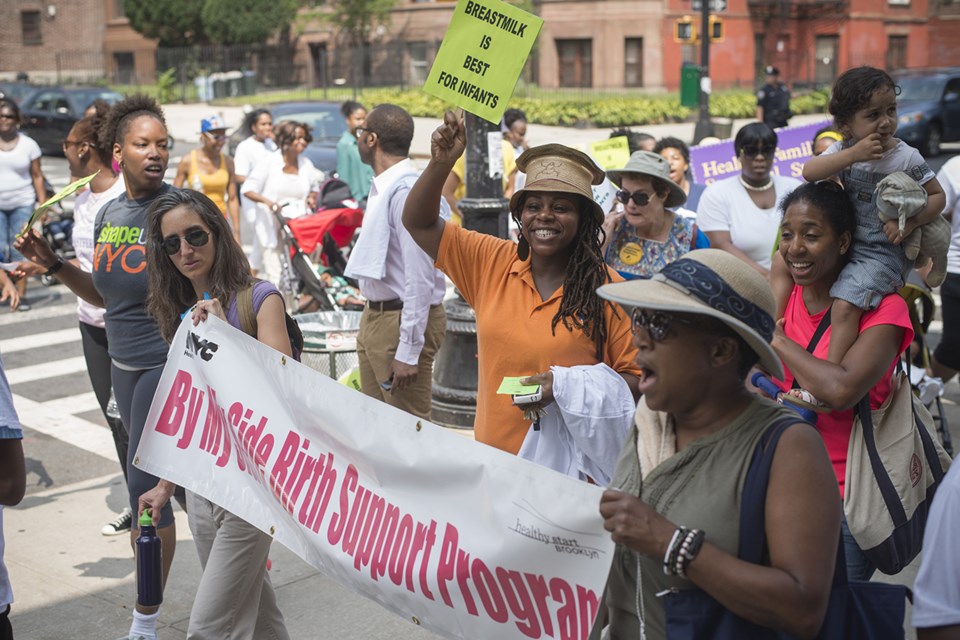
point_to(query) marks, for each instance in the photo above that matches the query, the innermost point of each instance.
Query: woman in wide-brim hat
(646, 235)
(536, 301)
(673, 507)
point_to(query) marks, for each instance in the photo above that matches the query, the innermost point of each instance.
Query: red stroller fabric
(340, 223)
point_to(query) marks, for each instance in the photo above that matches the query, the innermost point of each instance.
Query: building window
(419, 62)
(30, 27)
(123, 62)
(576, 62)
(118, 10)
(896, 53)
(825, 60)
(633, 62)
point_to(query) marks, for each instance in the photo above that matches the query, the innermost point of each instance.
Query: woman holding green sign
(538, 313)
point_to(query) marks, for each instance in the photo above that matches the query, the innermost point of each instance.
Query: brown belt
(385, 305)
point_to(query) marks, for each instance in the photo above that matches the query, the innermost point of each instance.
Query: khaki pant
(376, 347)
(235, 598)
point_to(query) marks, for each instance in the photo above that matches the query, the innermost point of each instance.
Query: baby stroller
(921, 304)
(315, 244)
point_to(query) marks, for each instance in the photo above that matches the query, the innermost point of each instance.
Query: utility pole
(704, 126)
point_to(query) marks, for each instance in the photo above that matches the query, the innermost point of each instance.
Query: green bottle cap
(146, 519)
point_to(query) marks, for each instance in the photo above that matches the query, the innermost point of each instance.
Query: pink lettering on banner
(174, 409)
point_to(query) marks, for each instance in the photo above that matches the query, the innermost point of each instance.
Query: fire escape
(800, 37)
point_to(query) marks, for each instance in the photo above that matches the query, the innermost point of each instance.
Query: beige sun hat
(713, 283)
(652, 165)
(555, 167)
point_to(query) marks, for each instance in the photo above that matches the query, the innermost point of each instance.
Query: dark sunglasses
(830, 185)
(194, 238)
(657, 323)
(219, 137)
(639, 198)
(7, 116)
(766, 151)
(360, 131)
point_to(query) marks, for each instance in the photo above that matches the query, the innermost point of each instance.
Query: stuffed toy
(900, 197)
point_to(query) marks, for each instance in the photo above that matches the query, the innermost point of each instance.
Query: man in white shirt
(403, 323)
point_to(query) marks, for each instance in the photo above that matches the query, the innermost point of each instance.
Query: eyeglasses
(7, 116)
(219, 137)
(69, 143)
(639, 198)
(657, 323)
(194, 238)
(765, 151)
(360, 131)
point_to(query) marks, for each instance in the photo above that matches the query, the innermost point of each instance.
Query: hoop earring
(523, 248)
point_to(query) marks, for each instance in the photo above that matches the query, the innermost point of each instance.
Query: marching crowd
(645, 318)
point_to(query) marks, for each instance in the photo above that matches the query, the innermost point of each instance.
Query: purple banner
(718, 161)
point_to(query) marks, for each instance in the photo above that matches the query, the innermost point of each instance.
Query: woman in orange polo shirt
(536, 301)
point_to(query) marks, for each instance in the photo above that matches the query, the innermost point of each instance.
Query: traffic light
(716, 29)
(684, 30)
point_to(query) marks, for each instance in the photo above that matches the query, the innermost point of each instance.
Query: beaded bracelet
(670, 557)
(688, 549)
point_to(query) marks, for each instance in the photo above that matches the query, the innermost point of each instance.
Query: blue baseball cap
(212, 123)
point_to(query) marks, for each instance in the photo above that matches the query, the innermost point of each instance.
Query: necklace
(750, 187)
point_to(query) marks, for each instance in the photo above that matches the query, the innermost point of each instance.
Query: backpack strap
(248, 316)
(815, 339)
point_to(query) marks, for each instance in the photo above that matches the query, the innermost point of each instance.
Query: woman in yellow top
(210, 172)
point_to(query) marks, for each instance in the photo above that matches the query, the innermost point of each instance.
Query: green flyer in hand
(68, 190)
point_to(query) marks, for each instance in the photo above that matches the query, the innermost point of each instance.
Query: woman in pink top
(815, 238)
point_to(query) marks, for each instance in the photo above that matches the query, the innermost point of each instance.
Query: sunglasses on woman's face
(657, 323)
(194, 238)
(639, 198)
(766, 151)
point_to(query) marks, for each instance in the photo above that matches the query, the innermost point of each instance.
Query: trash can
(249, 83)
(723, 128)
(330, 341)
(689, 86)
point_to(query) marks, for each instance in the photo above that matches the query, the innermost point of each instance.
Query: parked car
(16, 91)
(929, 108)
(50, 112)
(324, 118)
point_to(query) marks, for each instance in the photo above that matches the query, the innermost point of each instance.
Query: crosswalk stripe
(44, 339)
(56, 423)
(80, 403)
(35, 372)
(8, 319)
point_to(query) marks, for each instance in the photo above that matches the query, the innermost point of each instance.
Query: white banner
(462, 538)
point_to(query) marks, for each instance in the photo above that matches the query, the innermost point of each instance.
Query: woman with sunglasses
(673, 506)
(650, 231)
(741, 215)
(211, 172)
(538, 313)
(194, 266)
(137, 130)
(21, 188)
(286, 181)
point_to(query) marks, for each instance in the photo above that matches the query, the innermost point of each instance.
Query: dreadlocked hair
(580, 306)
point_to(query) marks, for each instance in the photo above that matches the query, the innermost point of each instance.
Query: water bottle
(149, 563)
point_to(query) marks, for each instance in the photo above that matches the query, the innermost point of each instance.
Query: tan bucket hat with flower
(555, 167)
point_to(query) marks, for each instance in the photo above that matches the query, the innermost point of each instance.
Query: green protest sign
(63, 193)
(612, 153)
(482, 54)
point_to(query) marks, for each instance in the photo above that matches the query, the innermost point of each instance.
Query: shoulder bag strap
(248, 316)
(815, 339)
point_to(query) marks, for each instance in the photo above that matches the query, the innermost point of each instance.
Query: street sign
(716, 6)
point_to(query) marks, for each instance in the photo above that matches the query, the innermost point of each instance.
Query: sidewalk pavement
(183, 121)
(71, 582)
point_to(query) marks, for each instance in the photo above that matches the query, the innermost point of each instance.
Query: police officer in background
(773, 101)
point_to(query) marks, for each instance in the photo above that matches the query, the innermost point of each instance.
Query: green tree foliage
(173, 22)
(357, 18)
(246, 21)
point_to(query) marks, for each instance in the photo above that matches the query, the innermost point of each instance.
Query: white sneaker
(120, 525)
(930, 389)
(138, 637)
